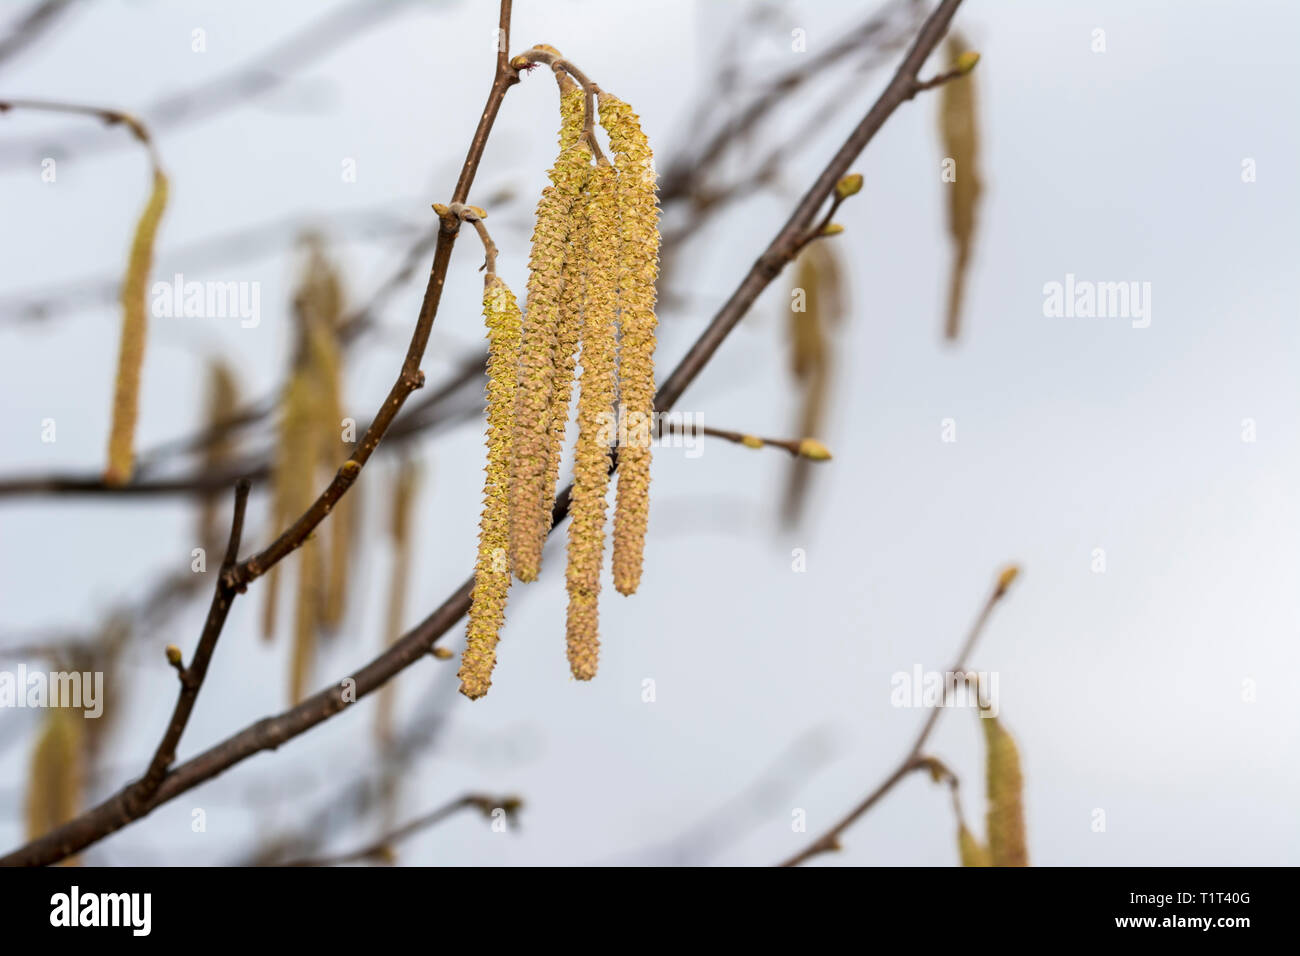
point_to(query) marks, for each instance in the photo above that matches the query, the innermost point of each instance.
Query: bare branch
(31, 27)
(914, 760)
(381, 850)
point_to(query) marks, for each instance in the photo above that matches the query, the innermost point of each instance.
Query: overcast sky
(1159, 691)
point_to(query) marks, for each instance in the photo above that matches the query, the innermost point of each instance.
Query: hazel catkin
(573, 284)
(595, 421)
(638, 268)
(1006, 815)
(130, 356)
(492, 570)
(530, 510)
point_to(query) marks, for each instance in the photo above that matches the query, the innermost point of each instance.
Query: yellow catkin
(638, 268)
(573, 284)
(222, 402)
(294, 468)
(973, 853)
(573, 105)
(596, 424)
(960, 143)
(399, 530)
(319, 302)
(1006, 816)
(328, 369)
(310, 442)
(530, 510)
(572, 294)
(492, 569)
(271, 602)
(130, 356)
(820, 278)
(57, 772)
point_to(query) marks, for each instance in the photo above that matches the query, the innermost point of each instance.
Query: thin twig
(381, 850)
(340, 25)
(34, 23)
(111, 117)
(547, 55)
(795, 446)
(191, 677)
(430, 411)
(471, 215)
(914, 760)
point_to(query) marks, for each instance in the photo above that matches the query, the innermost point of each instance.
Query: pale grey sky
(1124, 689)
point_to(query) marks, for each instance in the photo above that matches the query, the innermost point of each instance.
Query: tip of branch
(1008, 575)
(812, 448)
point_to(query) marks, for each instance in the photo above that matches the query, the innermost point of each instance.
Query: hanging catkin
(638, 268)
(819, 277)
(222, 402)
(595, 414)
(130, 356)
(573, 283)
(530, 509)
(961, 144)
(57, 771)
(311, 419)
(1006, 816)
(492, 570)
(294, 468)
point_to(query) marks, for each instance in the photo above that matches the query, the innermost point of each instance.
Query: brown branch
(420, 416)
(410, 377)
(807, 447)
(679, 177)
(551, 57)
(381, 850)
(270, 732)
(239, 245)
(110, 117)
(783, 248)
(191, 677)
(475, 216)
(914, 760)
(29, 29)
(340, 25)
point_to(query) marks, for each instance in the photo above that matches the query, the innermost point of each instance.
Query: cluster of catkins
(591, 301)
